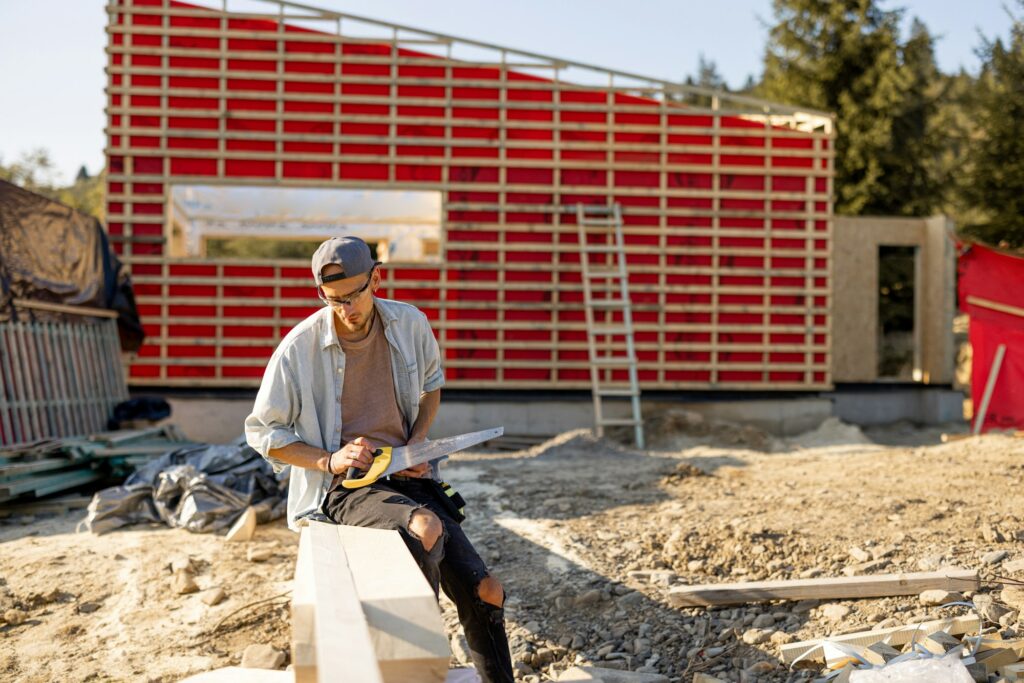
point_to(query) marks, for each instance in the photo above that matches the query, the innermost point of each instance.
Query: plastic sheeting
(945, 669)
(49, 252)
(989, 281)
(202, 489)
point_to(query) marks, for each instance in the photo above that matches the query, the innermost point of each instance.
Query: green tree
(35, 171)
(994, 179)
(845, 56)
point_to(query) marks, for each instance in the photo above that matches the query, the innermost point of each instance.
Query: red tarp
(990, 277)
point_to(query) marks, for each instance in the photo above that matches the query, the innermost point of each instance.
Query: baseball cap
(351, 253)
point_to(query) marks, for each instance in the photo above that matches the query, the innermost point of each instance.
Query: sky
(52, 53)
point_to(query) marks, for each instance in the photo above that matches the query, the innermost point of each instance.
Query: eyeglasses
(347, 301)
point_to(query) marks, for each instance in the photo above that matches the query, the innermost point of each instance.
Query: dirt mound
(831, 432)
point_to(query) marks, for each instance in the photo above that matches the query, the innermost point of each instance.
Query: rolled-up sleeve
(271, 424)
(430, 357)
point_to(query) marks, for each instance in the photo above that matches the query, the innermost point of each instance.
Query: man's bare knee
(491, 592)
(426, 526)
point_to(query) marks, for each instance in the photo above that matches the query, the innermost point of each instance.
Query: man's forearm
(429, 403)
(303, 455)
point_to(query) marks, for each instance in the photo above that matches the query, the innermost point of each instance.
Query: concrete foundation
(879, 405)
(220, 420)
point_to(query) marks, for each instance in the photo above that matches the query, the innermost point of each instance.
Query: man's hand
(357, 453)
(421, 471)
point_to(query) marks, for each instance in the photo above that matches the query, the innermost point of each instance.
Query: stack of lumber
(40, 468)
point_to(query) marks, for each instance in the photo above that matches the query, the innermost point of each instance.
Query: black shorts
(390, 504)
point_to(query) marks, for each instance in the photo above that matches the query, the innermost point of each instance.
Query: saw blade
(404, 457)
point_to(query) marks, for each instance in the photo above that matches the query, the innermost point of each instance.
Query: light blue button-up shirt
(300, 396)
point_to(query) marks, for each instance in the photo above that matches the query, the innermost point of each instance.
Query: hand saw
(389, 460)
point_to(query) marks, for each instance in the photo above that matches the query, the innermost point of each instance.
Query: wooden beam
(811, 650)
(995, 306)
(401, 610)
(64, 308)
(825, 589)
(330, 635)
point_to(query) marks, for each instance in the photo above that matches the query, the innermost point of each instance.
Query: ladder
(609, 318)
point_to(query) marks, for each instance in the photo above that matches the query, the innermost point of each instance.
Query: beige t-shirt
(368, 404)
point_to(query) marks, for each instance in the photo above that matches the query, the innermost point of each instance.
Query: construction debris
(244, 528)
(49, 466)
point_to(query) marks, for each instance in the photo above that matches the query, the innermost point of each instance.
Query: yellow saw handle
(381, 460)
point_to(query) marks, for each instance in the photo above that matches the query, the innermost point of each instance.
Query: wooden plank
(811, 650)
(401, 609)
(330, 635)
(850, 587)
(64, 308)
(990, 385)
(995, 306)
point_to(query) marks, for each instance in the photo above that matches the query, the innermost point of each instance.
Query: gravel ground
(588, 536)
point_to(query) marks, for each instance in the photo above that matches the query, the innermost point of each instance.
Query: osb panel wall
(856, 243)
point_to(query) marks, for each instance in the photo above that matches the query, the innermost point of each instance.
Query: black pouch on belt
(450, 500)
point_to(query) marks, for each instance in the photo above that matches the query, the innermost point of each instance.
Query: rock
(695, 566)
(760, 668)
(214, 596)
(804, 606)
(930, 563)
(1014, 566)
(262, 656)
(811, 573)
(1009, 618)
(183, 583)
(244, 527)
(859, 555)
(989, 608)
(994, 557)
(589, 597)
(882, 552)
(182, 564)
(259, 554)
(865, 567)
(992, 535)
(596, 674)
(577, 642)
(706, 678)
(782, 638)
(14, 617)
(938, 596)
(1014, 596)
(763, 621)
(88, 607)
(755, 636)
(630, 599)
(834, 612)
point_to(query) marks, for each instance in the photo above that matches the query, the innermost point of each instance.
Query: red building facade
(726, 202)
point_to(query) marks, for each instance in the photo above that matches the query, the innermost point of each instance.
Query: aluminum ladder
(610, 343)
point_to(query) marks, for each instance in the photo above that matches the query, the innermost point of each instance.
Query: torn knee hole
(426, 528)
(490, 591)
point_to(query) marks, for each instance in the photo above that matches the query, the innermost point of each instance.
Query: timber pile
(40, 468)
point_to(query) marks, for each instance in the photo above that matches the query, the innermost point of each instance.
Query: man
(365, 372)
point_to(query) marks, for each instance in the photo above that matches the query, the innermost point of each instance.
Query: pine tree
(994, 185)
(845, 56)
